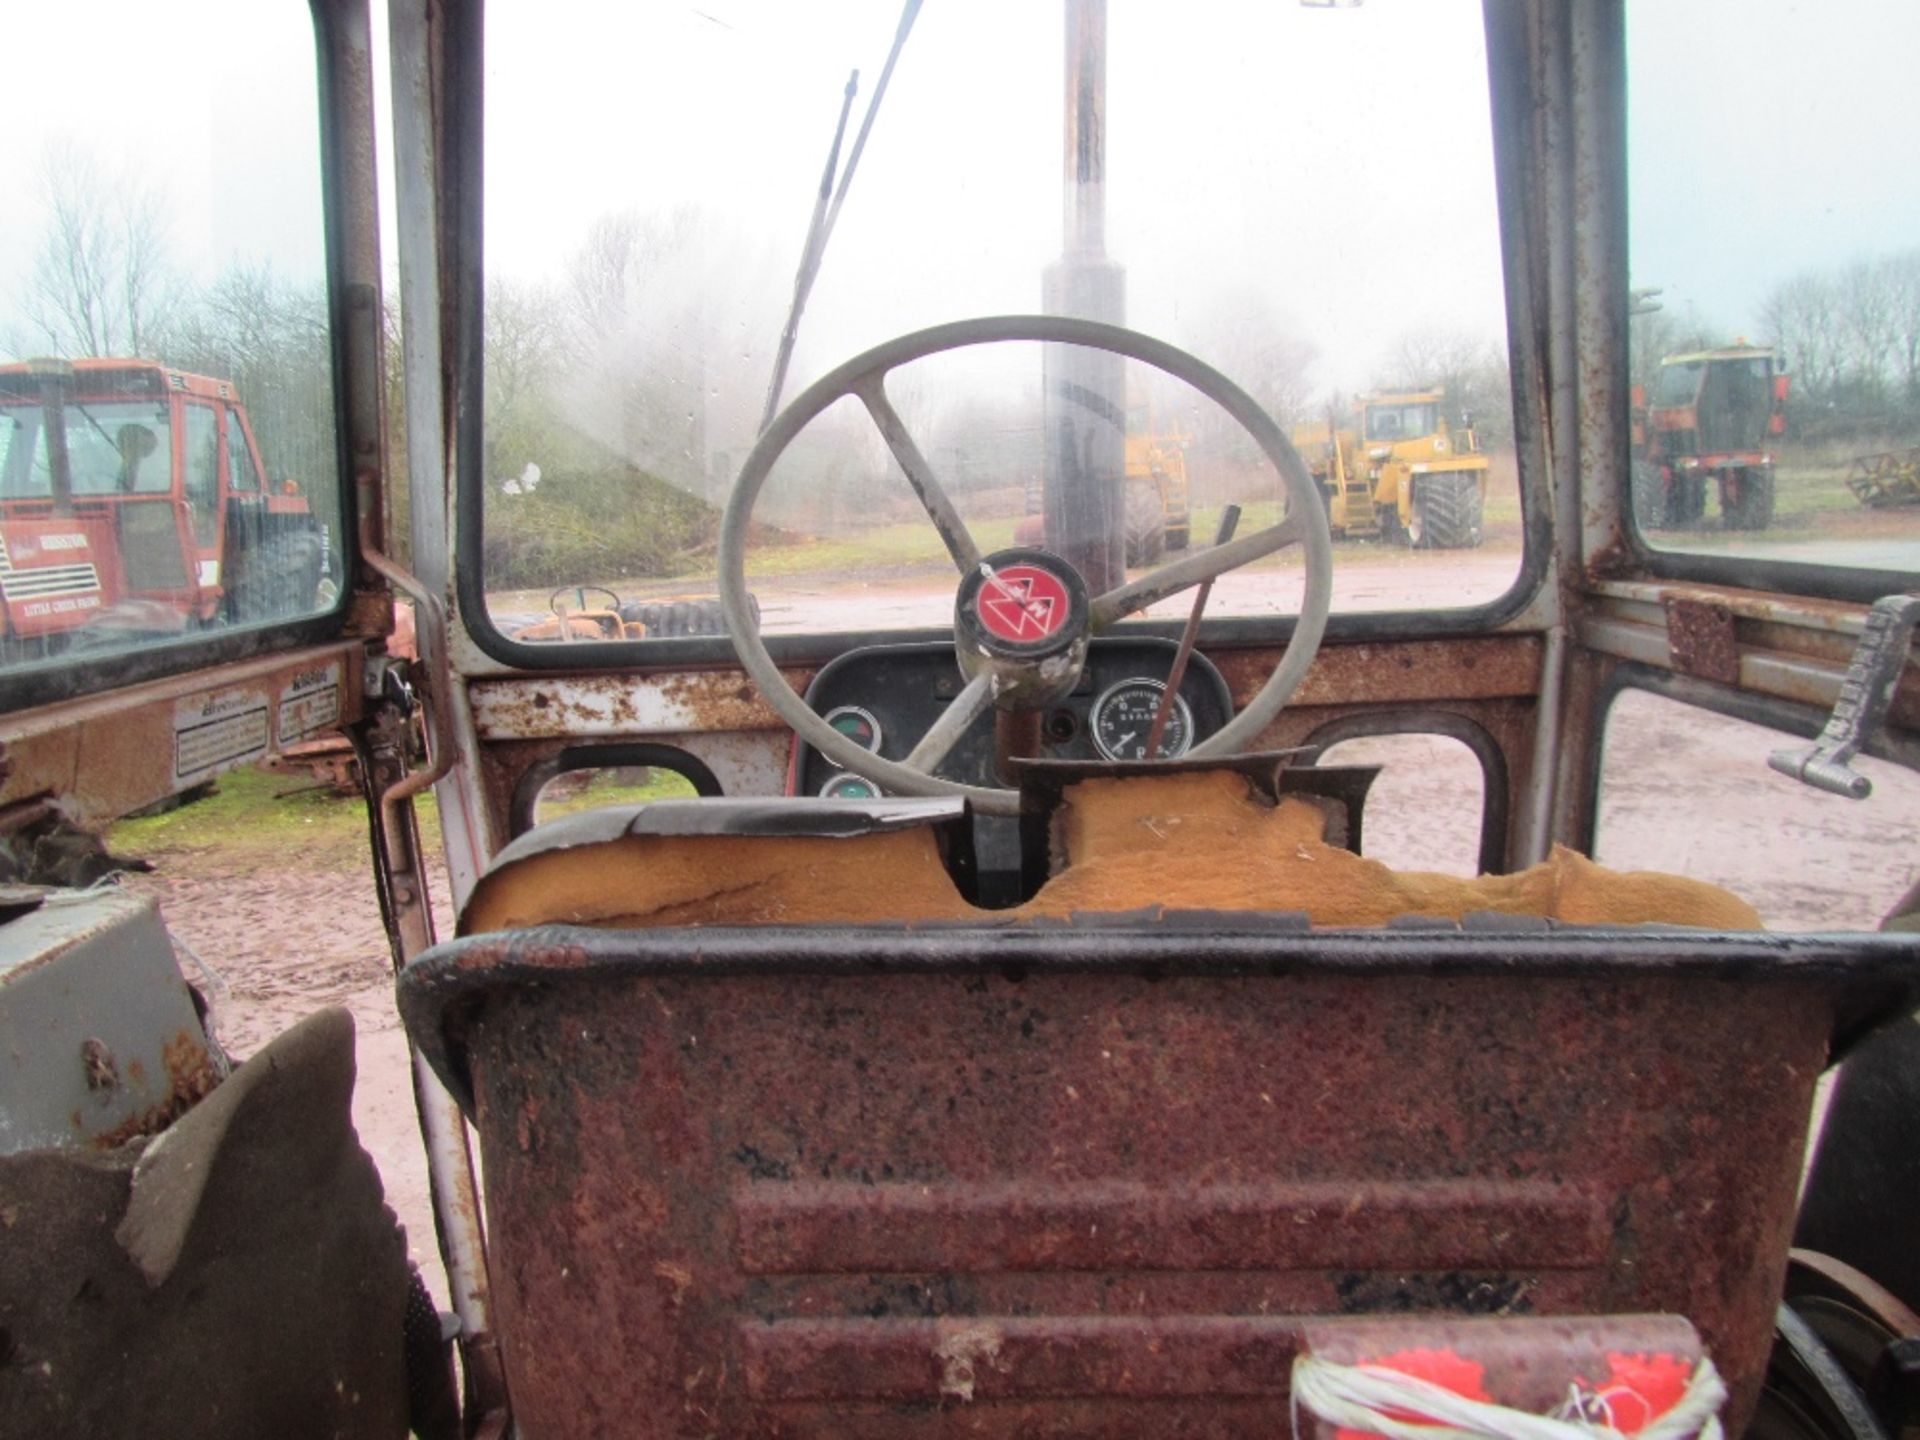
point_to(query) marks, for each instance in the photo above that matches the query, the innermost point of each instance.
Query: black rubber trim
(1495, 786)
(1787, 577)
(616, 755)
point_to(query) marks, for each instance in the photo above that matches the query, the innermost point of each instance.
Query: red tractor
(1712, 417)
(133, 501)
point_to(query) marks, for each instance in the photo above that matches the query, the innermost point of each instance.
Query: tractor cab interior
(951, 933)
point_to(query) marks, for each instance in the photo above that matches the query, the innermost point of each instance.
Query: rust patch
(726, 699)
(1425, 670)
(1700, 640)
(192, 1075)
(675, 702)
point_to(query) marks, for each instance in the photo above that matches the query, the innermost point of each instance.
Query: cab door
(120, 251)
(1750, 651)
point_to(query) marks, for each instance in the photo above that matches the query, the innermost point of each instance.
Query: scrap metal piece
(1865, 697)
(99, 1037)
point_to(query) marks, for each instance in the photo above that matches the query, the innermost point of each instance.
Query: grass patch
(579, 790)
(268, 817)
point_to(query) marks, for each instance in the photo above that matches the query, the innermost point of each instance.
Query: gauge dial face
(857, 725)
(1124, 714)
(850, 787)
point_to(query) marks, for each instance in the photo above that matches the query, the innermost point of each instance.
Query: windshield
(1402, 422)
(1678, 384)
(634, 311)
(113, 448)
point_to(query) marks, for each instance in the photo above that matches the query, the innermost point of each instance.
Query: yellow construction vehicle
(1158, 509)
(1156, 494)
(1400, 472)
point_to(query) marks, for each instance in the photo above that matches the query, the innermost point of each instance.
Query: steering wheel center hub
(1023, 615)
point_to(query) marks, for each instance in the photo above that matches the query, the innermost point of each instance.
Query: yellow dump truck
(1400, 472)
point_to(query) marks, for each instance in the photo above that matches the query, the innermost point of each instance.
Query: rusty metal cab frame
(1093, 1180)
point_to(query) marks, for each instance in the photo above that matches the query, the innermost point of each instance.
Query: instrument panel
(885, 697)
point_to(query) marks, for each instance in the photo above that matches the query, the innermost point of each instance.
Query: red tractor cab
(1713, 417)
(133, 500)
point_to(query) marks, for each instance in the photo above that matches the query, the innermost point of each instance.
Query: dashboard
(885, 697)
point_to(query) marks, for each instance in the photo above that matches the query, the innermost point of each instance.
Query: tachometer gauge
(1124, 714)
(845, 786)
(857, 725)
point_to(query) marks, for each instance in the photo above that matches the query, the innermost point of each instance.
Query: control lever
(1865, 697)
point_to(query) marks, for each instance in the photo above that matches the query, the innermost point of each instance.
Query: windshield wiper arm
(824, 216)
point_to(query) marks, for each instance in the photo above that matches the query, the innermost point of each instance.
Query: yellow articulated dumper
(1400, 472)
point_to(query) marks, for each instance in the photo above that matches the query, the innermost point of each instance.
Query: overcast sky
(1768, 140)
(1330, 166)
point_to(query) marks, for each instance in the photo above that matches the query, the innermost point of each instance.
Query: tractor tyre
(277, 578)
(681, 619)
(1649, 496)
(1746, 499)
(1146, 521)
(1447, 512)
(1686, 499)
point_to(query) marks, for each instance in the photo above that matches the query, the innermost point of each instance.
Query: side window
(201, 475)
(1689, 791)
(242, 477)
(1775, 253)
(138, 305)
(1427, 810)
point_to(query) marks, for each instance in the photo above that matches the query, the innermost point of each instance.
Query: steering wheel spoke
(1189, 570)
(940, 509)
(954, 721)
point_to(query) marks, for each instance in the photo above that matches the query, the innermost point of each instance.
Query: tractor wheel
(693, 616)
(1687, 499)
(276, 579)
(1649, 495)
(1446, 512)
(1146, 524)
(1746, 498)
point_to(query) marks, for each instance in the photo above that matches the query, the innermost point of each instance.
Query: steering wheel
(1022, 618)
(580, 593)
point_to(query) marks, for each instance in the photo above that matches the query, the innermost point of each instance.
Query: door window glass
(1687, 791)
(138, 283)
(1775, 244)
(202, 472)
(242, 476)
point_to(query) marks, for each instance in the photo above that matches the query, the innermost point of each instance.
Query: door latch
(1865, 697)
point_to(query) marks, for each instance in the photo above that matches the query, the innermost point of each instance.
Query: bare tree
(1802, 317)
(1868, 327)
(101, 284)
(1468, 370)
(1903, 303)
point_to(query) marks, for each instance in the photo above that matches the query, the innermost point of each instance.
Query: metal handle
(1865, 697)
